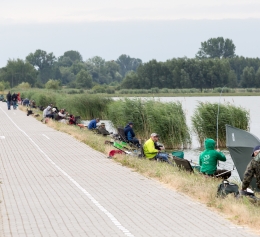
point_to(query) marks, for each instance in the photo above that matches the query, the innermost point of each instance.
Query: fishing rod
(226, 171)
(218, 112)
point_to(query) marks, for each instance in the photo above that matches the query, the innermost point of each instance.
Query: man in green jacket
(208, 160)
(152, 151)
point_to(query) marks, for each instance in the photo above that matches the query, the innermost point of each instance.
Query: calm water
(251, 103)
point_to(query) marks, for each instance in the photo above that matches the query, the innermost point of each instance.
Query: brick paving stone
(54, 185)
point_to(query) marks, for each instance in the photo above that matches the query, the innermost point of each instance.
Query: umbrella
(240, 144)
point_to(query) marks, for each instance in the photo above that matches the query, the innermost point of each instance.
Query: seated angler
(253, 169)
(93, 124)
(72, 120)
(152, 150)
(62, 116)
(102, 130)
(130, 135)
(209, 158)
(47, 112)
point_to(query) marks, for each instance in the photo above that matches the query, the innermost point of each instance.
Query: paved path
(53, 185)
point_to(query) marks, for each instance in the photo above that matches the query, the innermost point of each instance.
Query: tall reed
(150, 116)
(84, 105)
(204, 120)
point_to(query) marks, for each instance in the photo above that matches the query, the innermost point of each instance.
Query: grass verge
(239, 211)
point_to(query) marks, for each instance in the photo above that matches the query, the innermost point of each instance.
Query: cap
(130, 123)
(102, 123)
(255, 149)
(154, 135)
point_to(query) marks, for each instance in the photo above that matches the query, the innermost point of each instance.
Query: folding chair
(122, 137)
(183, 164)
(121, 134)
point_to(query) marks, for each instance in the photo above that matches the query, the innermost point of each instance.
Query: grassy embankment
(202, 189)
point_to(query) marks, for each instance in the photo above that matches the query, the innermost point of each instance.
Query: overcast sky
(148, 29)
(31, 11)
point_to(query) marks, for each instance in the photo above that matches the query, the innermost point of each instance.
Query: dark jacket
(92, 124)
(129, 133)
(9, 97)
(14, 97)
(209, 157)
(252, 169)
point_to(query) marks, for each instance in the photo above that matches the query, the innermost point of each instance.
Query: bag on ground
(226, 188)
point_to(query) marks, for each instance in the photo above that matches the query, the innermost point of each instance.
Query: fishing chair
(122, 137)
(183, 164)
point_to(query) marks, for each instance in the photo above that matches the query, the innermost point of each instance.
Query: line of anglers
(152, 150)
(208, 159)
(51, 112)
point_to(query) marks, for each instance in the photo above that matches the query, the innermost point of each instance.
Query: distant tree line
(69, 69)
(196, 73)
(215, 65)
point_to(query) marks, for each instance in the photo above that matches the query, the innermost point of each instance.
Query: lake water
(250, 103)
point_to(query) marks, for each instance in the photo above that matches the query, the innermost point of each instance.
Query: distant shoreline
(184, 94)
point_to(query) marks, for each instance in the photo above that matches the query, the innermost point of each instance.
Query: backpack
(226, 188)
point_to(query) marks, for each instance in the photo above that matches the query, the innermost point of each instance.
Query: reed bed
(204, 121)
(84, 105)
(166, 119)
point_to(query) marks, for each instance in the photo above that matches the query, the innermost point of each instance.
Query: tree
(24, 85)
(2, 86)
(232, 79)
(248, 77)
(185, 79)
(40, 59)
(17, 71)
(53, 84)
(217, 48)
(43, 62)
(96, 66)
(131, 81)
(73, 55)
(112, 72)
(83, 79)
(126, 64)
(69, 57)
(66, 75)
(257, 78)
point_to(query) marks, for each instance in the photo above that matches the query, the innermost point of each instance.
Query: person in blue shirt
(130, 135)
(93, 124)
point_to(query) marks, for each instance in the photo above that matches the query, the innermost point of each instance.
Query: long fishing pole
(218, 112)
(225, 172)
